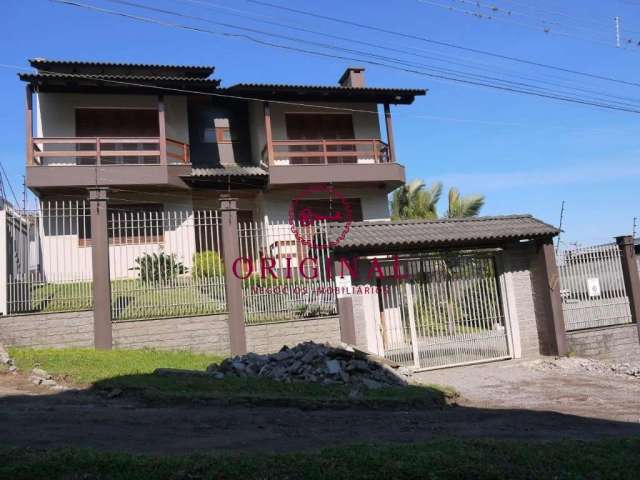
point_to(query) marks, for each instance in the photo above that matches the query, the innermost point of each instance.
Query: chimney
(352, 77)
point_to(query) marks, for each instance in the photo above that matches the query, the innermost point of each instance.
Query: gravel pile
(587, 365)
(315, 363)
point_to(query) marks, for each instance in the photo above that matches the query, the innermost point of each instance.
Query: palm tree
(463, 207)
(414, 201)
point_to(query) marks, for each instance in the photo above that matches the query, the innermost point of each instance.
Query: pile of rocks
(589, 366)
(316, 363)
(6, 362)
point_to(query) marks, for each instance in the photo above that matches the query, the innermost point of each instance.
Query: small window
(131, 224)
(209, 135)
(225, 135)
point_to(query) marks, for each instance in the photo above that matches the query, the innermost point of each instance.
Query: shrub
(207, 264)
(154, 267)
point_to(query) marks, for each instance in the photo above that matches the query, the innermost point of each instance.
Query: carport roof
(397, 235)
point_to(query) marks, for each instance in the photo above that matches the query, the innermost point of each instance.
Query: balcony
(331, 161)
(90, 161)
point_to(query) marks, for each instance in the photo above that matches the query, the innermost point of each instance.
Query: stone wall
(44, 330)
(619, 342)
(271, 337)
(206, 333)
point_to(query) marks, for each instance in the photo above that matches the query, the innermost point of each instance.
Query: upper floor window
(318, 126)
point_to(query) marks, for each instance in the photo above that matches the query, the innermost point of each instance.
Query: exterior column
(102, 328)
(631, 276)
(551, 293)
(268, 133)
(4, 271)
(162, 129)
(28, 121)
(233, 284)
(389, 126)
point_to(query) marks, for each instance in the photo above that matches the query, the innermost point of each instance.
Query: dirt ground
(500, 400)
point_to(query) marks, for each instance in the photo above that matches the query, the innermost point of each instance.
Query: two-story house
(173, 136)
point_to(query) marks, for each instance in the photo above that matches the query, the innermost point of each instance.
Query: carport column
(233, 284)
(548, 267)
(630, 274)
(102, 329)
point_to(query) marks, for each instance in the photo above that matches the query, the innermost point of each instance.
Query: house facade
(173, 136)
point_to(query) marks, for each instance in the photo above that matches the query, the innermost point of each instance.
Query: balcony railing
(108, 151)
(325, 152)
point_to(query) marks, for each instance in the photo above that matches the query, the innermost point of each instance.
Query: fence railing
(164, 263)
(327, 152)
(46, 269)
(283, 277)
(592, 287)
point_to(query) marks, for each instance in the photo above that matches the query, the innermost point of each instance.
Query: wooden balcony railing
(108, 151)
(326, 152)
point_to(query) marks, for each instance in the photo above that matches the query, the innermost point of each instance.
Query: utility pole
(24, 193)
(560, 226)
(617, 31)
(635, 224)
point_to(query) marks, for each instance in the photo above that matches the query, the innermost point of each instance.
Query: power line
(13, 193)
(402, 50)
(438, 76)
(444, 44)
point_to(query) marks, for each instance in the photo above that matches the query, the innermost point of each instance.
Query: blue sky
(526, 154)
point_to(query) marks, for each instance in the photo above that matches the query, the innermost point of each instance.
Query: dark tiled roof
(444, 232)
(197, 70)
(229, 170)
(324, 92)
(144, 79)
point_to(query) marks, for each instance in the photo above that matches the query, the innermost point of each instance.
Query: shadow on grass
(202, 388)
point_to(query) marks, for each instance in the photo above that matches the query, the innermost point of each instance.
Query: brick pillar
(556, 333)
(233, 284)
(102, 328)
(630, 274)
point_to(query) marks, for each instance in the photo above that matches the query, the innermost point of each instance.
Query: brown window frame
(151, 224)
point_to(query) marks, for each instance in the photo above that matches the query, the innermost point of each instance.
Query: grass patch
(442, 459)
(82, 366)
(132, 371)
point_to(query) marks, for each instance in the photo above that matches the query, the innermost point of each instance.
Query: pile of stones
(6, 362)
(311, 362)
(589, 366)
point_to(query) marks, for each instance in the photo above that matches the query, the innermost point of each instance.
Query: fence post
(233, 284)
(630, 274)
(551, 280)
(4, 260)
(102, 328)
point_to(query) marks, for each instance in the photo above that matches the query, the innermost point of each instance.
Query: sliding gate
(447, 311)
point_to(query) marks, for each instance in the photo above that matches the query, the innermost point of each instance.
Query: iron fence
(284, 278)
(592, 287)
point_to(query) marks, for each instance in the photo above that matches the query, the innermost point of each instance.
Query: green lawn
(442, 459)
(132, 371)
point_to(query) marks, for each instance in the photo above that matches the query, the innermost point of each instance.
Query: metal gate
(592, 287)
(447, 312)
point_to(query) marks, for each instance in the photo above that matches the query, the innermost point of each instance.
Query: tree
(414, 201)
(463, 207)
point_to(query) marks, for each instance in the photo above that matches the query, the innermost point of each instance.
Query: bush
(153, 267)
(207, 264)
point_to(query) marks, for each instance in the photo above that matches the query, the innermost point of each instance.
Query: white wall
(55, 114)
(365, 125)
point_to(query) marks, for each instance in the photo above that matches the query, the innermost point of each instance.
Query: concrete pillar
(546, 259)
(389, 127)
(630, 274)
(162, 129)
(233, 284)
(102, 328)
(347, 321)
(4, 260)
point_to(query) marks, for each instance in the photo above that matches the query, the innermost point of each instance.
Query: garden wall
(271, 337)
(618, 342)
(205, 333)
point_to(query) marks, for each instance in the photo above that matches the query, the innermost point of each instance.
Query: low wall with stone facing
(271, 337)
(619, 342)
(206, 334)
(48, 330)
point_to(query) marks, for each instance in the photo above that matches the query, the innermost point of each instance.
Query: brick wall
(270, 338)
(55, 330)
(619, 342)
(206, 333)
